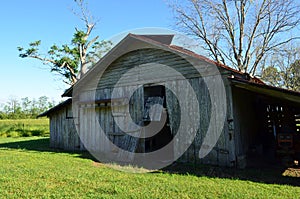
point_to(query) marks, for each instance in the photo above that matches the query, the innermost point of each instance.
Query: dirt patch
(292, 172)
(97, 164)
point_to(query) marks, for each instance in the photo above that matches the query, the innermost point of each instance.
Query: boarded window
(69, 112)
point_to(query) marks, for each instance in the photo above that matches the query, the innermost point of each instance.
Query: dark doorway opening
(154, 109)
(267, 129)
(281, 123)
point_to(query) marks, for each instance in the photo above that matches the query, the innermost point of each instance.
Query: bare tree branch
(246, 31)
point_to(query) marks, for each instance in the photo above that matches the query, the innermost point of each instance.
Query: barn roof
(133, 42)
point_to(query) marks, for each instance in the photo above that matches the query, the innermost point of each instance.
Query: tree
(44, 104)
(241, 32)
(72, 60)
(12, 108)
(26, 105)
(284, 69)
(26, 108)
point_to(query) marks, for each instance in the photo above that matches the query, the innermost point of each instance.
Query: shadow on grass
(42, 145)
(272, 175)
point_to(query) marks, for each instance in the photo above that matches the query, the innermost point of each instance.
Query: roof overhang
(266, 90)
(56, 108)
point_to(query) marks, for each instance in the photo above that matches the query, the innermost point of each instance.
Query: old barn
(259, 122)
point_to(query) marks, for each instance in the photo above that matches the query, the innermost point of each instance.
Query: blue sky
(52, 21)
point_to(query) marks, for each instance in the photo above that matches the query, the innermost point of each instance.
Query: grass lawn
(24, 127)
(29, 169)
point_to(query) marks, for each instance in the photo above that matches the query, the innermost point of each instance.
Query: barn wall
(222, 153)
(63, 134)
(97, 118)
(245, 121)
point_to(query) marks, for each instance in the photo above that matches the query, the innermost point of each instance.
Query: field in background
(24, 127)
(30, 169)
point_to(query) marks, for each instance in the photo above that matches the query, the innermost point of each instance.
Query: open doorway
(282, 122)
(267, 129)
(154, 109)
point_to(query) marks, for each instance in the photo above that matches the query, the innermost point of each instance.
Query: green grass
(29, 169)
(24, 127)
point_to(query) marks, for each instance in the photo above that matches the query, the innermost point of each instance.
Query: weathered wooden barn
(260, 120)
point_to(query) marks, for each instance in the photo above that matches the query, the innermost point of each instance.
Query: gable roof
(134, 42)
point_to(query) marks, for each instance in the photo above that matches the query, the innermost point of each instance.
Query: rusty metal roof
(163, 41)
(197, 56)
(237, 78)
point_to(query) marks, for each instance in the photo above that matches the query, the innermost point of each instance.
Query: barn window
(69, 112)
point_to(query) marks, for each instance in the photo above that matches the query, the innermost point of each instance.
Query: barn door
(181, 117)
(128, 116)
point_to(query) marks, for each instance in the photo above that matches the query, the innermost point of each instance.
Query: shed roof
(267, 90)
(55, 108)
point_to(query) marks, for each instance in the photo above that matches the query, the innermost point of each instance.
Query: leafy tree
(26, 108)
(71, 60)
(12, 108)
(241, 32)
(284, 70)
(26, 105)
(44, 104)
(272, 76)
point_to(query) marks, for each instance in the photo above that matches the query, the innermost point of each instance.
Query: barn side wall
(63, 134)
(246, 123)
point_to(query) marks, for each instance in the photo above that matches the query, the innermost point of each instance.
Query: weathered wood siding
(222, 154)
(63, 134)
(245, 123)
(99, 117)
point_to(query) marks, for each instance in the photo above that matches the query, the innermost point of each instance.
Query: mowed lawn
(29, 169)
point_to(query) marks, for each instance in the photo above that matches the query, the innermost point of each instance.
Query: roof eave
(55, 108)
(263, 89)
